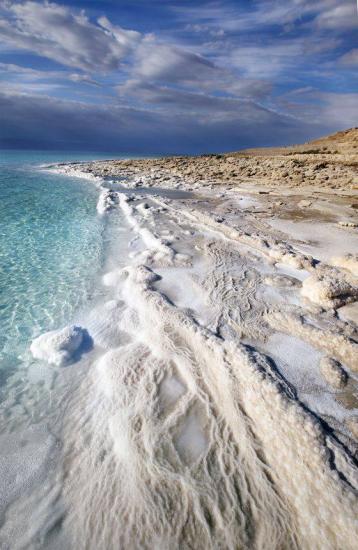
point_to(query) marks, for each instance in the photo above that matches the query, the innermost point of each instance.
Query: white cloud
(128, 39)
(83, 78)
(326, 14)
(333, 110)
(166, 98)
(340, 16)
(267, 60)
(30, 80)
(350, 58)
(69, 38)
(165, 62)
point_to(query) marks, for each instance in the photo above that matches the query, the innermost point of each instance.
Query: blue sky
(155, 76)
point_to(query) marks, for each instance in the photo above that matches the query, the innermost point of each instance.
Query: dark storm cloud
(44, 122)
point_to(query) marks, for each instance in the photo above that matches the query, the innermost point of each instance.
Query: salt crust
(58, 347)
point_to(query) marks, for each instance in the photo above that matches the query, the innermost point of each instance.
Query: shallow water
(52, 249)
(50, 252)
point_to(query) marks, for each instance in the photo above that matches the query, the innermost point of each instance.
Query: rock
(347, 223)
(304, 203)
(348, 261)
(352, 425)
(333, 372)
(58, 347)
(329, 290)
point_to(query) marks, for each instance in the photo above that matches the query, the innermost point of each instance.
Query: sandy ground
(220, 407)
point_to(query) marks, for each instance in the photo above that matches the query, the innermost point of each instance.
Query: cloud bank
(208, 76)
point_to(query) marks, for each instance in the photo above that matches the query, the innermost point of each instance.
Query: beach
(178, 275)
(207, 397)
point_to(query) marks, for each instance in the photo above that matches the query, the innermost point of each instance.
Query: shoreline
(330, 164)
(228, 314)
(217, 403)
(328, 213)
(283, 228)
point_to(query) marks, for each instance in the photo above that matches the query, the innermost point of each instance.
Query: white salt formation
(329, 289)
(198, 441)
(107, 200)
(158, 250)
(333, 372)
(348, 261)
(191, 470)
(58, 347)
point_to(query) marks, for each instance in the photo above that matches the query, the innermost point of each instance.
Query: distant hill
(344, 142)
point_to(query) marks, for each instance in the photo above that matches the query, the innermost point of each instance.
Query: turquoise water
(51, 250)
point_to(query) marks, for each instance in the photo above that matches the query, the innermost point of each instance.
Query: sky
(163, 77)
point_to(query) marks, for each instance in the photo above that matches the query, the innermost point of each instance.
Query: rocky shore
(327, 163)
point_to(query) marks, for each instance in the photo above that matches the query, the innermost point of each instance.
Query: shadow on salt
(298, 362)
(191, 441)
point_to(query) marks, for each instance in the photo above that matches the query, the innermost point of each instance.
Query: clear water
(51, 249)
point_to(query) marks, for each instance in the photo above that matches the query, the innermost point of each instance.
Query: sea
(53, 247)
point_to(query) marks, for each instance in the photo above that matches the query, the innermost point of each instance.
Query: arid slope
(330, 162)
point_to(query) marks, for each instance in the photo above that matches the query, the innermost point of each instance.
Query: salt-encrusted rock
(106, 201)
(304, 203)
(280, 281)
(58, 347)
(141, 275)
(352, 425)
(333, 372)
(329, 290)
(348, 261)
(347, 223)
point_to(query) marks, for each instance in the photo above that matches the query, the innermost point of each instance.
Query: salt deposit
(158, 250)
(58, 347)
(348, 261)
(201, 443)
(107, 200)
(329, 289)
(333, 372)
(201, 418)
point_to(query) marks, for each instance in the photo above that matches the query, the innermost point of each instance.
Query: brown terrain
(329, 162)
